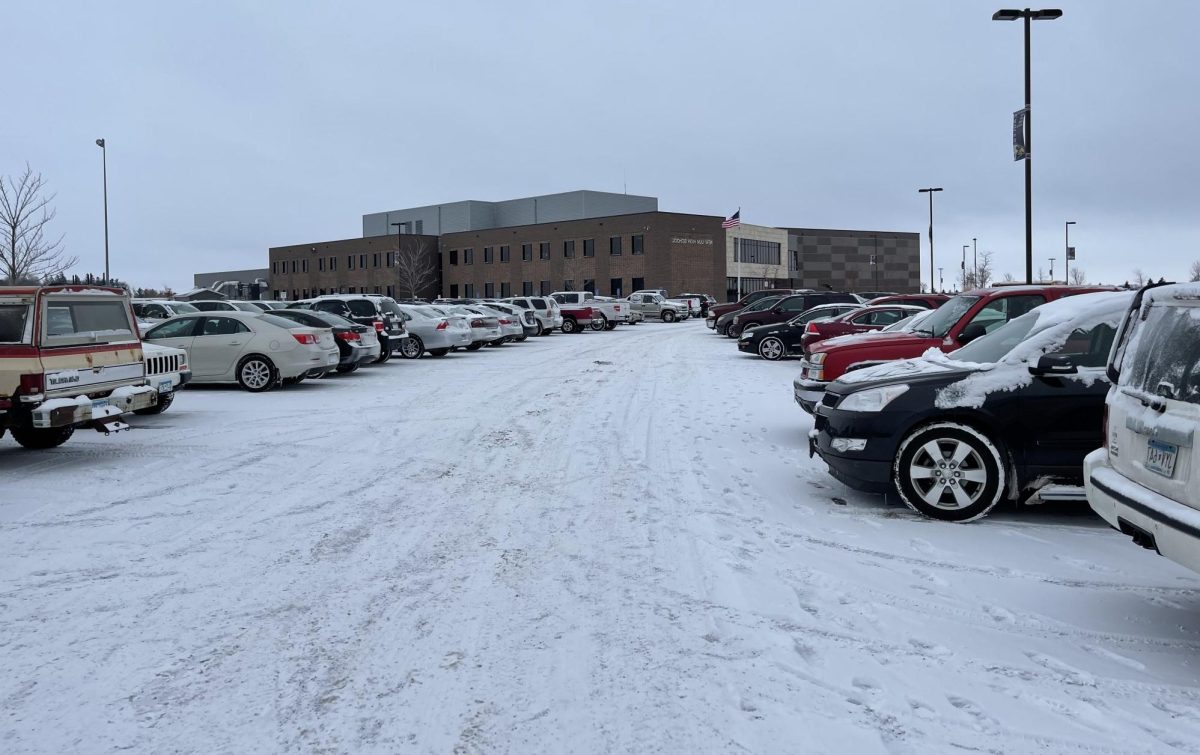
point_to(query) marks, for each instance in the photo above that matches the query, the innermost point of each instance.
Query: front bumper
(60, 412)
(870, 469)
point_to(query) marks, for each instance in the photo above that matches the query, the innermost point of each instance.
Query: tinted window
(999, 311)
(174, 329)
(362, 308)
(795, 304)
(762, 304)
(539, 303)
(282, 322)
(12, 322)
(222, 326)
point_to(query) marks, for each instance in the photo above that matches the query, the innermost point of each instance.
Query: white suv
(1144, 482)
(545, 309)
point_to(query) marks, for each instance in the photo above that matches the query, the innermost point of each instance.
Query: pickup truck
(70, 357)
(611, 312)
(691, 304)
(166, 372)
(951, 326)
(576, 318)
(654, 305)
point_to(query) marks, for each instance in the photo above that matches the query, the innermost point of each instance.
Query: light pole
(975, 253)
(930, 192)
(104, 163)
(1052, 269)
(1009, 14)
(1067, 250)
(941, 280)
(964, 267)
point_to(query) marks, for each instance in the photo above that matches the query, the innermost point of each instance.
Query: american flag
(732, 220)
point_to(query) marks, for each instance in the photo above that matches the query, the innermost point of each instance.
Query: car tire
(668, 316)
(602, 324)
(962, 485)
(541, 329)
(732, 332)
(164, 401)
(346, 369)
(412, 348)
(39, 438)
(257, 374)
(771, 349)
(439, 352)
(475, 346)
(570, 326)
(610, 326)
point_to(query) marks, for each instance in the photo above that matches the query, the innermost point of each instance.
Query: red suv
(951, 326)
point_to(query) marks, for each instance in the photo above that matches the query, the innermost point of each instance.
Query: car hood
(931, 367)
(875, 338)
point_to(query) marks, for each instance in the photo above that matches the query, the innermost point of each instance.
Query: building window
(489, 290)
(391, 291)
(295, 294)
(453, 256)
(637, 244)
(320, 264)
(453, 290)
(589, 285)
(504, 253)
(293, 266)
(469, 290)
(505, 289)
(362, 262)
(487, 255)
(375, 259)
(639, 284)
(353, 290)
(589, 247)
(349, 261)
(544, 288)
(614, 287)
(544, 250)
(420, 227)
(569, 248)
(468, 256)
(526, 253)
(304, 266)
(527, 288)
(614, 245)
(568, 285)
(391, 259)
(757, 252)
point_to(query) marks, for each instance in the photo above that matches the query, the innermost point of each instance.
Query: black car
(356, 343)
(783, 339)
(374, 311)
(784, 309)
(1008, 414)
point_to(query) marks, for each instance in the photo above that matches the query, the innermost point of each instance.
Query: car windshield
(993, 346)
(908, 323)
(945, 316)
(362, 308)
(180, 307)
(764, 303)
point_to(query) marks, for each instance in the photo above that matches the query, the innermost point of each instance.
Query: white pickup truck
(611, 312)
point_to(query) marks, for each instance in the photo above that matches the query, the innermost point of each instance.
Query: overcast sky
(233, 127)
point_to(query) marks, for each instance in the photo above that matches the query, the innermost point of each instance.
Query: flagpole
(737, 254)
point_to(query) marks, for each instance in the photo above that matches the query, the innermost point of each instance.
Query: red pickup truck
(954, 324)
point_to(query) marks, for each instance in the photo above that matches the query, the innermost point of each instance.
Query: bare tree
(1008, 278)
(26, 255)
(1078, 276)
(1139, 278)
(416, 267)
(1194, 272)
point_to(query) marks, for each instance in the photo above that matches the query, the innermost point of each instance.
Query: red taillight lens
(442, 325)
(305, 337)
(31, 383)
(505, 322)
(811, 328)
(378, 326)
(349, 335)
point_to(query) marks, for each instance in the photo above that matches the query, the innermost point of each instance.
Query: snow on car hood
(922, 366)
(854, 339)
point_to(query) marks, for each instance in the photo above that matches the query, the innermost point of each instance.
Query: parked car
(1009, 415)
(783, 339)
(715, 311)
(378, 312)
(524, 317)
(1144, 480)
(224, 305)
(160, 309)
(926, 301)
(256, 351)
(510, 326)
(485, 329)
(69, 357)
(652, 305)
(577, 317)
(167, 371)
(431, 332)
(864, 320)
(546, 310)
(691, 304)
(267, 305)
(356, 343)
(952, 326)
(724, 321)
(785, 308)
(613, 312)
(706, 301)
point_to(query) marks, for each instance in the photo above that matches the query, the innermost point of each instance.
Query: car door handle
(235, 343)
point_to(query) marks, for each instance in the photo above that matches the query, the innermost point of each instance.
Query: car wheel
(37, 438)
(668, 316)
(439, 352)
(256, 374)
(601, 324)
(733, 332)
(610, 326)
(164, 401)
(541, 329)
(346, 369)
(475, 346)
(771, 349)
(412, 348)
(949, 471)
(569, 326)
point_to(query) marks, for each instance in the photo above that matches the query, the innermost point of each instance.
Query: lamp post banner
(1020, 150)
(1071, 253)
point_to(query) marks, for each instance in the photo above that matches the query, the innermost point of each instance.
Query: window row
(305, 293)
(757, 252)
(364, 261)
(637, 245)
(616, 287)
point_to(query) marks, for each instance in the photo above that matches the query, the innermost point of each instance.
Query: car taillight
(378, 325)
(305, 337)
(31, 383)
(442, 325)
(349, 335)
(810, 328)
(505, 322)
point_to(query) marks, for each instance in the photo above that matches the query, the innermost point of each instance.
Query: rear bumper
(1153, 520)
(61, 412)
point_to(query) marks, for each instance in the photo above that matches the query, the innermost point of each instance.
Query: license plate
(164, 386)
(99, 403)
(1160, 457)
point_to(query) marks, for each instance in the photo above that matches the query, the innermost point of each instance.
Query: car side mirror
(1053, 365)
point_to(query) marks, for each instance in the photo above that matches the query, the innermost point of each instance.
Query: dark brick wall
(309, 279)
(843, 259)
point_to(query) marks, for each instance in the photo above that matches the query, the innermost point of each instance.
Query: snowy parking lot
(606, 542)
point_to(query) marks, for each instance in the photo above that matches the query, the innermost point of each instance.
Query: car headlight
(873, 400)
(818, 358)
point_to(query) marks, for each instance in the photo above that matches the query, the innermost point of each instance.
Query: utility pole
(104, 162)
(930, 192)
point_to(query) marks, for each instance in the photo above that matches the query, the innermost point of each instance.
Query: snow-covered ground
(608, 542)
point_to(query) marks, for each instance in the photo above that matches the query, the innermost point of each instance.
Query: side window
(1089, 347)
(336, 307)
(999, 311)
(222, 326)
(796, 305)
(157, 312)
(12, 322)
(178, 329)
(884, 317)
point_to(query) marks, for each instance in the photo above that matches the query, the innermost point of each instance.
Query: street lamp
(1052, 269)
(1067, 250)
(930, 192)
(964, 267)
(975, 252)
(1008, 14)
(104, 163)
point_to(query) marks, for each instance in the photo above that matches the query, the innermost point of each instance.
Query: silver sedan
(432, 332)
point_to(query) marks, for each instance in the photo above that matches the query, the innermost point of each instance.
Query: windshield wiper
(924, 332)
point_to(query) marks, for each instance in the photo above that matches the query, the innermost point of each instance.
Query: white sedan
(255, 350)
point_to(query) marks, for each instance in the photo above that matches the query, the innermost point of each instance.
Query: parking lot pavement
(599, 542)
